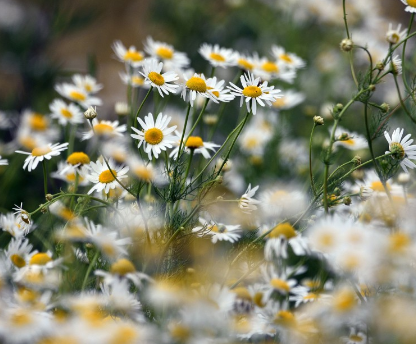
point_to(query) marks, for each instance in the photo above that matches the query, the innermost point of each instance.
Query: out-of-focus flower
(217, 56)
(39, 154)
(401, 148)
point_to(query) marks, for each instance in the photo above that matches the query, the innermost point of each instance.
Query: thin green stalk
(184, 129)
(404, 56)
(345, 19)
(401, 99)
(310, 161)
(87, 274)
(75, 189)
(45, 177)
(141, 105)
(72, 131)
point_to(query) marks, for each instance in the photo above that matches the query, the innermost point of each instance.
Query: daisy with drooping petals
(163, 82)
(87, 83)
(218, 231)
(130, 56)
(165, 52)
(38, 154)
(68, 173)
(103, 177)
(156, 136)
(254, 92)
(104, 129)
(196, 84)
(66, 113)
(246, 203)
(411, 5)
(77, 94)
(217, 56)
(394, 36)
(194, 143)
(3, 161)
(401, 148)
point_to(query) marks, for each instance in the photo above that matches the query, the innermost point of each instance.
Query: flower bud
(122, 108)
(372, 88)
(380, 66)
(347, 200)
(90, 113)
(210, 119)
(403, 178)
(357, 160)
(318, 120)
(48, 197)
(385, 107)
(344, 137)
(346, 44)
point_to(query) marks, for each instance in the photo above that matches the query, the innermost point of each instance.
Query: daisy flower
(218, 231)
(395, 65)
(254, 92)
(289, 100)
(246, 63)
(218, 91)
(164, 52)
(401, 148)
(103, 177)
(287, 59)
(87, 83)
(195, 144)
(38, 154)
(246, 203)
(131, 56)
(155, 136)
(77, 94)
(146, 172)
(267, 69)
(163, 82)
(217, 56)
(411, 5)
(196, 85)
(66, 113)
(3, 161)
(349, 140)
(19, 252)
(67, 173)
(394, 36)
(134, 80)
(104, 129)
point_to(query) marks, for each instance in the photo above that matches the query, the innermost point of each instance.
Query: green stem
(310, 161)
(401, 99)
(404, 53)
(75, 189)
(87, 274)
(141, 105)
(45, 177)
(184, 129)
(72, 132)
(345, 19)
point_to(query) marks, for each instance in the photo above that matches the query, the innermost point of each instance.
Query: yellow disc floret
(103, 128)
(270, 67)
(132, 55)
(137, 80)
(78, 158)
(122, 267)
(283, 229)
(66, 113)
(144, 173)
(153, 136)
(38, 122)
(17, 260)
(217, 57)
(279, 284)
(107, 176)
(77, 96)
(196, 84)
(165, 53)
(39, 151)
(397, 150)
(156, 78)
(40, 259)
(194, 142)
(411, 3)
(286, 58)
(245, 64)
(252, 91)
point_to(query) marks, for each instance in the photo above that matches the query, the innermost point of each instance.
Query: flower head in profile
(104, 177)
(411, 5)
(171, 58)
(254, 91)
(195, 144)
(87, 82)
(394, 36)
(66, 113)
(163, 82)
(196, 85)
(216, 88)
(217, 56)
(247, 203)
(39, 154)
(286, 59)
(130, 56)
(218, 231)
(105, 129)
(155, 136)
(401, 148)
(77, 95)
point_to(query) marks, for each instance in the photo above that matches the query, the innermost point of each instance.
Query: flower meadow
(201, 212)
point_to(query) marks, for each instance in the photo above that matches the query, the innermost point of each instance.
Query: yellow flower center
(137, 80)
(38, 122)
(399, 241)
(356, 338)
(78, 158)
(103, 128)
(70, 177)
(280, 102)
(39, 151)
(156, 78)
(344, 300)
(349, 142)
(310, 296)
(242, 293)
(258, 299)
(27, 142)
(196, 84)
(397, 150)
(40, 259)
(122, 267)
(280, 284)
(132, 55)
(107, 177)
(66, 113)
(180, 333)
(88, 87)
(411, 3)
(194, 142)
(18, 261)
(77, 95)
(153, 136)
(218, 229)
(124, 334)
(286, 58)
(378, 186)
(285, 318)
(326, 240)
(20, 318)
(270, 67)
(217, 57)
(143, 173)
(165, 53)
(252, 91)
(245, 64)
(66, 214)
(283, 229)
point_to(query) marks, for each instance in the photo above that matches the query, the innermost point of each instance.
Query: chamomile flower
(394, 36)
(411, 5)
(246, 63)
(103, 177)
(218, 91)
(163, 82)
(131, 56)
(135, 80)
(164, 52)
(77, 94)
(289, 100)
(87, 83)
(247, 203)
(217, 56)
(401, 148)
(195, 144)
(39, 154)
(196, 85)
(254, 92)
(66, 113)
(268, 69)
(394, 65)
(349, 140)
(3, 161)
(146, 172)
(19, 252)
(67, 173)
(287, 59)
(104, 128)
(155, 136)
(218, 231)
